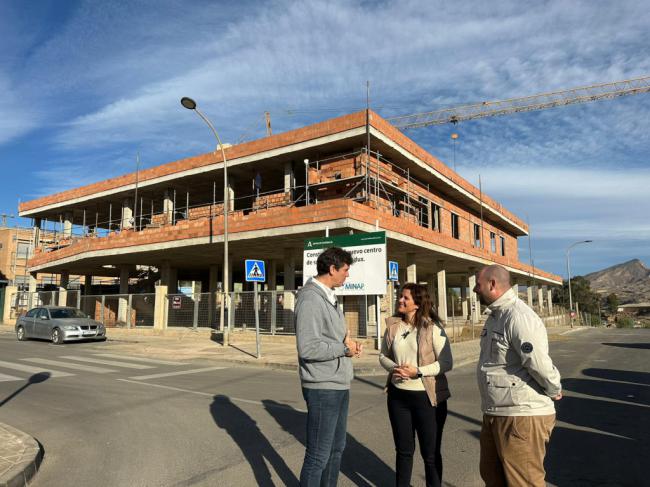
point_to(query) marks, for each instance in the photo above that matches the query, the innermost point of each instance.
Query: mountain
(630, 281)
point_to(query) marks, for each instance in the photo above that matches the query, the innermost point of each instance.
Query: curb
(20, 457)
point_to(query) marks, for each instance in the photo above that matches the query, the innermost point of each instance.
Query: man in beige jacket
(518, 384)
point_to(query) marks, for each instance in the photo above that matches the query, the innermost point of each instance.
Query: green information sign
(372, 238)
(368, 271)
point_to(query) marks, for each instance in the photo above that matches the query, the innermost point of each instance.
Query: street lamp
(568, 271)
(191, 105)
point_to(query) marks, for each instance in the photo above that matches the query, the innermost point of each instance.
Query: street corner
(20, 457)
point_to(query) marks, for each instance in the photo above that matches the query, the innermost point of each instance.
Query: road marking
(107, 362)
(212, 395)
(34, 370)
(68, 365)
(171, 374)
(138, 359)
(8, 378)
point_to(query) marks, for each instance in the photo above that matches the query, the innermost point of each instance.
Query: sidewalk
(20, 457)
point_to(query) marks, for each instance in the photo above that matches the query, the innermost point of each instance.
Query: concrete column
(289, 279)
(578, 317)
(64, 279)
(540, 299)
(67, 224)
(272, 275)
(442, 291)
(6, 310)
(169, 277)
(529, 293)
(431, 287)
(463, 297)
(549, 300)
(515, 289)
(168, 205)
(63, 297)
(290, 270)
(411, 268)
(288, 177)
(31, 301)
(123, 302)
(88, 283)
(160, 308)
(127, 214)
(36, 234)
(474, 304)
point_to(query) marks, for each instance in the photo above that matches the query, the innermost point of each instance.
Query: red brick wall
(279, 217)
(328, 127)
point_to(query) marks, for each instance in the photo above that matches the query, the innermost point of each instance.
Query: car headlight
(69, 327)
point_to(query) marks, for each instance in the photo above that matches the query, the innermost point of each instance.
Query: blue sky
(85, 85)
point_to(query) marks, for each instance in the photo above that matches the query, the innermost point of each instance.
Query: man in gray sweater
(324, 356)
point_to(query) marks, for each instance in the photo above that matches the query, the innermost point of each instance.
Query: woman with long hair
(416, 353)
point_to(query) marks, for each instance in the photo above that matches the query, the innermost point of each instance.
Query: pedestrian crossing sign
(393, 271)
(255, 270)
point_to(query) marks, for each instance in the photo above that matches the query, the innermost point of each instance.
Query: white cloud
(105, 82)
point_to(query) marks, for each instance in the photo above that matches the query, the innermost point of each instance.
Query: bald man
(518, 384)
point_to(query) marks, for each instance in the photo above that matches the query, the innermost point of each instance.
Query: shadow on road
(252, 442)
(359, 464)
(619, 375)
(34, 379)
(607, 438)
(642, 346)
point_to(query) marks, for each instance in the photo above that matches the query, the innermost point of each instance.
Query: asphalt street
(109, 419)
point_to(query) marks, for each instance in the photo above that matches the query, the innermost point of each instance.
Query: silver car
(58, 324)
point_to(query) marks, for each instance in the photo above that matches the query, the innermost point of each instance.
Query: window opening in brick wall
(503, 246)
(493, 242)
(454, 226)
(423, 212)
(477, 235)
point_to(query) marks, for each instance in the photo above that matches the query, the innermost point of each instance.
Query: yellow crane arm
(526, 104)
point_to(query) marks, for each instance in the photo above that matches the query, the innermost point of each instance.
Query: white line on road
(107, 362)
(208, 394)
(8, 378)
(68, 365)
(171, 374)
(138, 359)
(33, 370)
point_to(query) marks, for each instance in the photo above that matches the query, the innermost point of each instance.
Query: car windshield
(66, 313)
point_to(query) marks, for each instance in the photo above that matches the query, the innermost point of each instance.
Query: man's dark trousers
(327, 416)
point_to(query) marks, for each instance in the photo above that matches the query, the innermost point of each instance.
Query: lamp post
(568, 271)
(191, 105)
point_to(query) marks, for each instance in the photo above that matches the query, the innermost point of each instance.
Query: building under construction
(355, 173)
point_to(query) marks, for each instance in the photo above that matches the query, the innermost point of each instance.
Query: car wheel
(57, 336)
(20, 334)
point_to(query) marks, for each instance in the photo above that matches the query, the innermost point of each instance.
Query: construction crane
(526, 104)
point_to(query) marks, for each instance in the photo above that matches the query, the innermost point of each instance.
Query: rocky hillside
(629, 280)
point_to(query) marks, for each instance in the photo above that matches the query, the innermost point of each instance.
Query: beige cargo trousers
(513, 450)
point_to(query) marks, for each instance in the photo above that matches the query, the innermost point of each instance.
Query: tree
(612, 303)
(581, 293)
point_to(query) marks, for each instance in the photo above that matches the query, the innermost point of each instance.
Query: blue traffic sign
(255, 270)
(393, 271)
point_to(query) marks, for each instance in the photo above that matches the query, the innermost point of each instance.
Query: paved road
(106, 419)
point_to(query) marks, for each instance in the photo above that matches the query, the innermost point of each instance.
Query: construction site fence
(275, 311)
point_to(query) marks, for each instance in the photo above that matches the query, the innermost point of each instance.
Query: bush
(624, 322)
